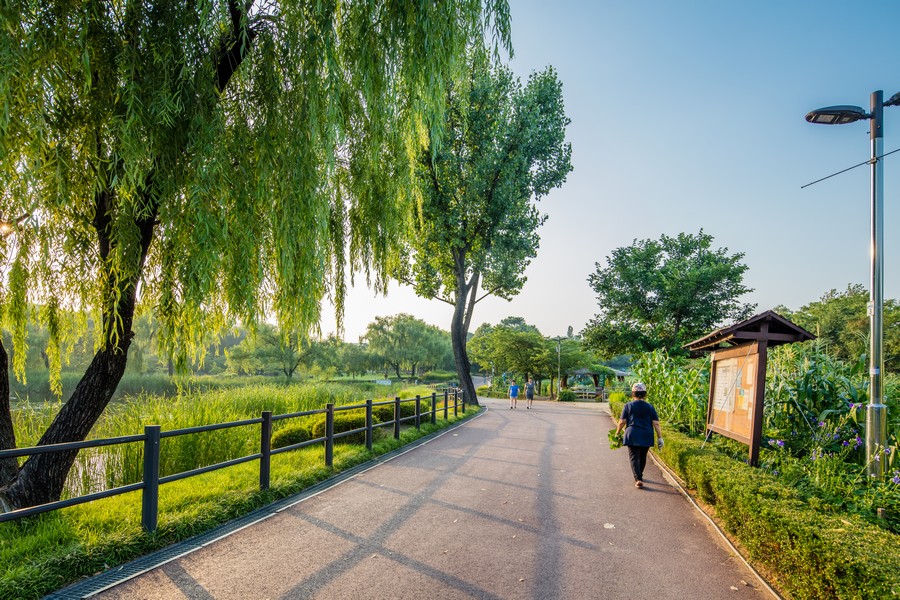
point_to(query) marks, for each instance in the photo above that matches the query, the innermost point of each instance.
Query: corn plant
(679, 390)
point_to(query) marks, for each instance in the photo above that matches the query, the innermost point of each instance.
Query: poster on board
(733, 392)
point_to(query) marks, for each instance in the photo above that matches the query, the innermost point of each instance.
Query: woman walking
(639, 420)
(529, 392)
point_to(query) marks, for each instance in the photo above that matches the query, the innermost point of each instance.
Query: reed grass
(113, 466)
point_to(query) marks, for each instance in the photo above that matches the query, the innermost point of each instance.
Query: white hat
(639, 387)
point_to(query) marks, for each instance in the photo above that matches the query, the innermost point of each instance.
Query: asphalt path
(515, 504)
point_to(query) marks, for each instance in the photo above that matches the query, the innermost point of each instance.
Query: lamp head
(838, 115)
(893, 100)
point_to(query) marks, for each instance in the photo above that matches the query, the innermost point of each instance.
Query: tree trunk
(458, 333)
(42, 477)
(9, 467)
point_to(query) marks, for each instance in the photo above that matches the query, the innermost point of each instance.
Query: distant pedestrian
(529, 392)
(513, 394)
(639, 420)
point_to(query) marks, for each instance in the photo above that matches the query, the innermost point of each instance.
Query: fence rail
(153, 435)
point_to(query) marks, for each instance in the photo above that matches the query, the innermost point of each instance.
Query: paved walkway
(516, 504)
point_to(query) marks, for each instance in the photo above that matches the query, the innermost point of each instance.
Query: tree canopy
(405, 342)
(216, 162)
(840, 321)
(664, 293)
(503, 149)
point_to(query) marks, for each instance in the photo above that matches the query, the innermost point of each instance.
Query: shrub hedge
(566, 396)
(809, 552)
(344, 421)
(290, 435)
(385, 412)
(488, 392)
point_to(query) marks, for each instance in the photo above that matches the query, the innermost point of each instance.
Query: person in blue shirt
(513, 394)
(639, 420)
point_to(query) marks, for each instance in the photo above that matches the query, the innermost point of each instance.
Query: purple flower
(859, 442)
(821, 423)
(887, 451)
(896, 479)
(780, 443)
(845, 443)
(771, 442)
(836, 436)
(775, 472)
(852, 406)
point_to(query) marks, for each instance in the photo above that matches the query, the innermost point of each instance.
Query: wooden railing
(153, 434)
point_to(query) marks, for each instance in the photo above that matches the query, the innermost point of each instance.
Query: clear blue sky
(689, 115)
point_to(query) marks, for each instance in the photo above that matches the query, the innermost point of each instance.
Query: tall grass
(112, 466)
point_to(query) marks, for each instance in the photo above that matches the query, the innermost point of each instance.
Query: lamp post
(876, 412)
(559, 340)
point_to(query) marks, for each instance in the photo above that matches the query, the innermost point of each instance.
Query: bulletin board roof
(778, 331)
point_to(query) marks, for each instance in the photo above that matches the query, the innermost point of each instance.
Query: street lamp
(558, 351)
(876, 413)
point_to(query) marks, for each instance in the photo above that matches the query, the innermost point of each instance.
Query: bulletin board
(732, 392)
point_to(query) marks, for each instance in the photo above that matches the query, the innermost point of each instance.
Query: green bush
(385, 412)
(438, 376)
(617, 401)
(566, 396)
(344, 421)
(489, 392)
(813, 551)
(290, 435)
(618, 397)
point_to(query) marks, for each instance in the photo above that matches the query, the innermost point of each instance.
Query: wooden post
(150, 499)
(265, 450)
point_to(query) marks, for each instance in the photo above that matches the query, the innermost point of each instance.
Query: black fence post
(455, 402)
(150, 499)
(397, 417)
(446, 400)
(329, 434)
(265, 450)
(418, 412)
(433, 408)
(369, 424)
(464, 401)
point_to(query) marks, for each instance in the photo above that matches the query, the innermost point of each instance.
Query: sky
(688, 116)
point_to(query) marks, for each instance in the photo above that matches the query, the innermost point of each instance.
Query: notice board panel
(732, 392)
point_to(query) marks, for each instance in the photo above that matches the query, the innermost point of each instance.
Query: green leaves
(664, 293)
(224, 163)
(503, 147)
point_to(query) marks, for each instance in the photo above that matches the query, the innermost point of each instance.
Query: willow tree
(476, 230)
(213, 161)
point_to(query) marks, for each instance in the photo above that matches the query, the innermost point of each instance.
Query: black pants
(637, 455)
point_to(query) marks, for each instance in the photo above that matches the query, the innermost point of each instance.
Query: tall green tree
(840, 321)
(216, 161)
(405, 342)
(664, 293)
(503, 149)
